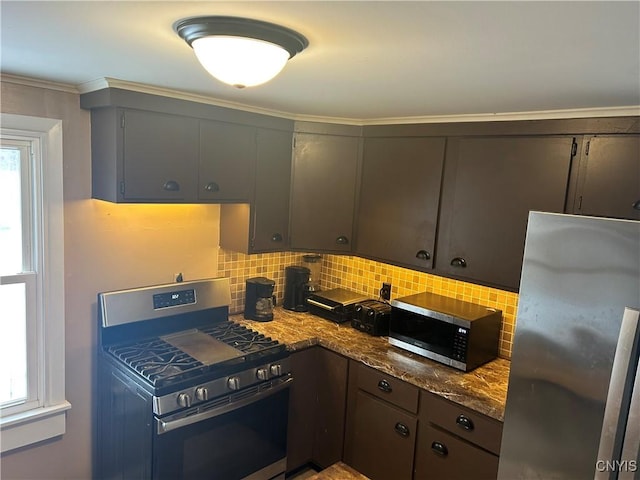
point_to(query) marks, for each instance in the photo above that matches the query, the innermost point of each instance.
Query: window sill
(33, 426)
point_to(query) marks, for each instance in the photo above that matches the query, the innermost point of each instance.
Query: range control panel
(173, 299)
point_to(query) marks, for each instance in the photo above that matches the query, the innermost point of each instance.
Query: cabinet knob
(276, 237)
(212, 187)
(385, 386)
(440, 448)
(342, 240)
(171, 186)
(636, 205)
(465, 423)
(459, 262)
(401, 429)
(423, 255)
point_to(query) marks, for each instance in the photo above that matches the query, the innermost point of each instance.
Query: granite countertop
(483, 389)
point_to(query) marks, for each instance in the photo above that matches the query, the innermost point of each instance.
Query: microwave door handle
(320, 304)
(619, 395)
(631, 445)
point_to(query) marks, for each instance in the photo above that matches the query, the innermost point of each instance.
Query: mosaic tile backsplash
(365, 277)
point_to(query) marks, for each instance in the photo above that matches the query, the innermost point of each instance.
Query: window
(32, 403)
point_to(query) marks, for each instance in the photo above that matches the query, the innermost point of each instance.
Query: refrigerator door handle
(630, 464)
(623, 373)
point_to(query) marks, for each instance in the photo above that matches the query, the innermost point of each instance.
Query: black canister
(296, 287)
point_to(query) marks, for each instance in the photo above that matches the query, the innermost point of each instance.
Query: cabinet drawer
(442, 455)
(472, 426)
(388, 388)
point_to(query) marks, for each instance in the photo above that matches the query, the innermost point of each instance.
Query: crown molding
(39, 83)
(98, 84)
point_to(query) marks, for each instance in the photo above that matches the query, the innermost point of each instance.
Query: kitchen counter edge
(483, 390)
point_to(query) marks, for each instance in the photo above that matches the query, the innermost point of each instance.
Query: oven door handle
(164, 426)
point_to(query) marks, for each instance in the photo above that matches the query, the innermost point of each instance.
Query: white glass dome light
(239, 51)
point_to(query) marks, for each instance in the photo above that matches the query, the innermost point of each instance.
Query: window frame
(47, 418)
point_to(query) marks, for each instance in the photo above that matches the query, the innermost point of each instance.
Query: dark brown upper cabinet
(263, 225)
(324, 191)
(227, 161)
(609, 177)
(489, 187)
(140, 156)
(399, 199)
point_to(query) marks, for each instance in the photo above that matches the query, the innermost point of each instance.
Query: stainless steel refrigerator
(573, 401)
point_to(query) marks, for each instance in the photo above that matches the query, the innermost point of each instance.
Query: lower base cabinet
(317, 405)
(381, 426)
(441, 455)
(455, 442)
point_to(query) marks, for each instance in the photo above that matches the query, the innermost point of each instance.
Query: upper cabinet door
(325, 172)
(399, 198)
(160, 155)
(273, 180)
(227, 162)
(609, 179)
(489, 187)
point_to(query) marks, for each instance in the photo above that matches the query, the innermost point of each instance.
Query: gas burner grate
(156, 360)
(244, 339)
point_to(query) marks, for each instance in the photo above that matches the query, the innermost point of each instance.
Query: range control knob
(276, 369)
(202, 394)
(233, 383)
(184, 400)
(262, 373)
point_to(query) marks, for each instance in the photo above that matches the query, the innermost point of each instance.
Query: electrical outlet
(385, 291)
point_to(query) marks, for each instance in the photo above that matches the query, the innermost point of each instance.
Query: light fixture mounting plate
(193, 28)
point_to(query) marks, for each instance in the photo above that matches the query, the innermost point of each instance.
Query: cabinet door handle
(171, 186)
(212, 187)
(342, 240)
(459, 262)
(636, 205)
(465, 423)
(401, 429)
(276, 237)
(440, 448)
(423, 255)
(385, 386)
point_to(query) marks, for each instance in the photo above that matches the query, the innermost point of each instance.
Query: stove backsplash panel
(365, 277)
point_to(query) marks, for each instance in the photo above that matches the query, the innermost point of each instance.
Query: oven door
(242, 436)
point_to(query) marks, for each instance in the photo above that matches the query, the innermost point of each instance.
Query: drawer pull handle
(465, 423)
(342, 240)
(459, 262)
(440, 448)
(276, 237)
(212, 187)
(423, 255)
(385, 386)
(401, 429)
(171, 186)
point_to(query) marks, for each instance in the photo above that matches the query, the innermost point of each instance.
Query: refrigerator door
(630, 465)
(617, 411)
(579, 274)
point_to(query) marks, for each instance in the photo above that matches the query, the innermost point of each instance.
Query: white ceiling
(367, 61)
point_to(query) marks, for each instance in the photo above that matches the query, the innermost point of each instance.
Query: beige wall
(107, 247)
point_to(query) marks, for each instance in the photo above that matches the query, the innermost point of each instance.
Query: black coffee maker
(296, 288)
(259, 299)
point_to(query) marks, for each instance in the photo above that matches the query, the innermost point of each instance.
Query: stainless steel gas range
(186, 393)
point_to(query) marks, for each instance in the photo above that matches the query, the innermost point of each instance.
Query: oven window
(429, 333)
(227, 447)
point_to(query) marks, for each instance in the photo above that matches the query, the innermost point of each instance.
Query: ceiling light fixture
(240, 51)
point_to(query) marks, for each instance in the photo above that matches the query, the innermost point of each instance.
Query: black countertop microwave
(460, 334)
